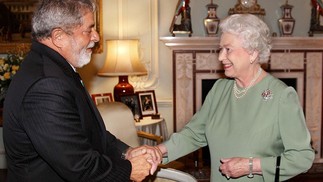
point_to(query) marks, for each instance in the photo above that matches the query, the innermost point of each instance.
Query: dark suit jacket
(52, 130)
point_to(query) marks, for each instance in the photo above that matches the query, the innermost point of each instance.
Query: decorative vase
(211, 22)
(287, 22)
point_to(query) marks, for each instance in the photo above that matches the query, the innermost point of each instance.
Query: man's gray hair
(64, 14)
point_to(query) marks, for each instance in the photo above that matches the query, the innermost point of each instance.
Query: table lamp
(122, 60)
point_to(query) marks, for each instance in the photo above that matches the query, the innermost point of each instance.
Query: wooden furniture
(154, 126)
(295, 59)
(118, 120)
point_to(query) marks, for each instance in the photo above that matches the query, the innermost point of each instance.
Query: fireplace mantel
(299, 58)
(197, 43)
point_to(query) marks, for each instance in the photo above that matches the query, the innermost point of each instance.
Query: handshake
(144, 160)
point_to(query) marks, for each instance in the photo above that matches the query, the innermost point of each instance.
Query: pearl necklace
(240, 93)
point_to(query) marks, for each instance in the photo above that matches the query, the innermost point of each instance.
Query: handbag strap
(277, 169)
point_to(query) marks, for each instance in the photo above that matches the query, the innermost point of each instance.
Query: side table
(153, 126)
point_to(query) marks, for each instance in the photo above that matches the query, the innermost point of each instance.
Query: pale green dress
(251, 126)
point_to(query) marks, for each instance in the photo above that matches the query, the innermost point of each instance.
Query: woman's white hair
(254, 33)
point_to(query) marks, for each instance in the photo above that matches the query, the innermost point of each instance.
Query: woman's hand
(237, 166)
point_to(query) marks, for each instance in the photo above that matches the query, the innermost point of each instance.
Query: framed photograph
(147, 101)
(211, 26)
(102, 98)
(15, 30)
(132, 101)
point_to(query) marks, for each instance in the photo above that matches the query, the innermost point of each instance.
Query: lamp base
(122, 88)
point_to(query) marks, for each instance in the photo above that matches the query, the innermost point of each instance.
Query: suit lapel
(90, 101)
(69, 71)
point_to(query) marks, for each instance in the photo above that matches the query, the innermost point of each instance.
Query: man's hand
(154, 152)
(140, 167)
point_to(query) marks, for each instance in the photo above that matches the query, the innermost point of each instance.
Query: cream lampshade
(122, 60)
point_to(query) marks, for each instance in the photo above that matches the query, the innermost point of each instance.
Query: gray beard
(84, 59)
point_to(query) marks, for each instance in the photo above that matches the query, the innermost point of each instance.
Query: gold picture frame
(22, 41)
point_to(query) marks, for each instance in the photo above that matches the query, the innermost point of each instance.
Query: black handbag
(277, 169)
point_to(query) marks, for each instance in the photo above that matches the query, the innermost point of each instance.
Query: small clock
(248, 3)
(247, 6)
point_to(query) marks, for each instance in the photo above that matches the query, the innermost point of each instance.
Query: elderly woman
(250, 120)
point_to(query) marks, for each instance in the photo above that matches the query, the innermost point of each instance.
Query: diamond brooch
(267, 95)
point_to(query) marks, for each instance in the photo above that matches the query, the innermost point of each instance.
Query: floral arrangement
(9, 66)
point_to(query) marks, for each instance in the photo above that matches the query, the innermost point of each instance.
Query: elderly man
(52, 129)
